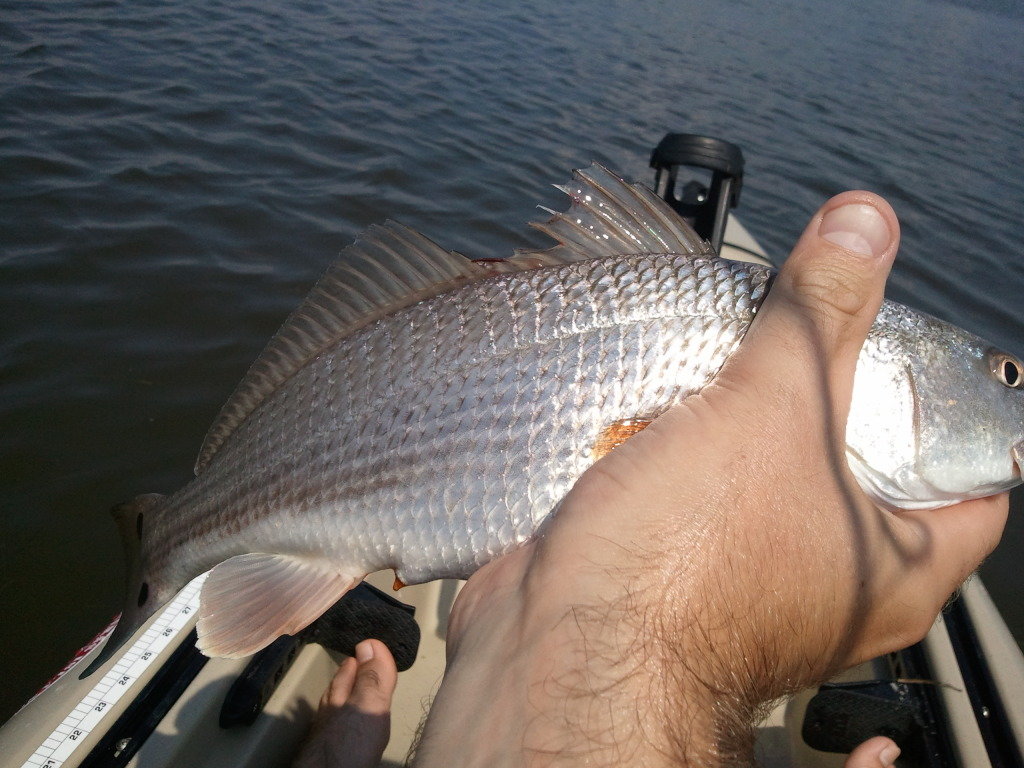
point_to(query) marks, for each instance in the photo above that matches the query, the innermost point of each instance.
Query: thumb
(824, 299)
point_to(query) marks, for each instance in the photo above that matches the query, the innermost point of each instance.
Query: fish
(425, 412)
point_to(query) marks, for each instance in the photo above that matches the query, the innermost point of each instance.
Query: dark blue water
(173, 177)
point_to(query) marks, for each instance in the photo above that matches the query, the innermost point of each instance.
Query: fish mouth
(1018, 458)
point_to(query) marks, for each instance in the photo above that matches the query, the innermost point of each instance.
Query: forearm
(587, 685)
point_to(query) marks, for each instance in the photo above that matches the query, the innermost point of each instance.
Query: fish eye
(1007, 369)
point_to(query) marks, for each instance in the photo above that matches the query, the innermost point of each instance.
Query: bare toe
(878, 752)
(353, 723)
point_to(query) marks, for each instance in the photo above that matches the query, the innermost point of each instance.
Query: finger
(877, 752)
(824, 299)
(834, 279)
(946, 545)
(375, 678)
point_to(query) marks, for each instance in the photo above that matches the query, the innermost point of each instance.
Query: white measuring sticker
(98, 703)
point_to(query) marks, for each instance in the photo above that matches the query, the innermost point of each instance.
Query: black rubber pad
(363, 613)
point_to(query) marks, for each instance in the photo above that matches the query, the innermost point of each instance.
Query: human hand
(721, 558)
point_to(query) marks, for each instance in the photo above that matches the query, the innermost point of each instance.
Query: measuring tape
(97, 705)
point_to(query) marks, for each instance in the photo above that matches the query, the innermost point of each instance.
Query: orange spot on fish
(398, 583)
(615, 434)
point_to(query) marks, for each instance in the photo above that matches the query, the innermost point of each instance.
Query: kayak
(955, 699)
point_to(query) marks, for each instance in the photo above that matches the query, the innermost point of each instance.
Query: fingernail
(364, 651)
(888, 755)
(857, 227)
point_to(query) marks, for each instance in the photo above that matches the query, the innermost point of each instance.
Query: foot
(878, 752)
(353, 723)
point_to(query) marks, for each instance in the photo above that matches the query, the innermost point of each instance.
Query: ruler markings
(91, 710)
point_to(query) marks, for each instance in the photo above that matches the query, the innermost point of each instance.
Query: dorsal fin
(388, 267)
(392, 266)
(609, 217)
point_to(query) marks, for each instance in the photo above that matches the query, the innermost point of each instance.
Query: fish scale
(436, 426)
(433, 399)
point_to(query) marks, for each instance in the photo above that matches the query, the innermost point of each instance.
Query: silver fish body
(441, 436)
(432, 433)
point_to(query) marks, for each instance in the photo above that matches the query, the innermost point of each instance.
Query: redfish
(425, 412)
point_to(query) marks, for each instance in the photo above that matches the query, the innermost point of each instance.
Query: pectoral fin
(250, 600)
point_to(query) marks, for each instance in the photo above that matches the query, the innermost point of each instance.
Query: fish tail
(141, 599)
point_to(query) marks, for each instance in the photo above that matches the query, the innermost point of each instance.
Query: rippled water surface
(173, 177)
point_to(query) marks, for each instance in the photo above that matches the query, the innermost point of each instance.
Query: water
(174, 176)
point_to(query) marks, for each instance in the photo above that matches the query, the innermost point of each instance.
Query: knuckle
(613, 476)
(370, 679)
(832, 291)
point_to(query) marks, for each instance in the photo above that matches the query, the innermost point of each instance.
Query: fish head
(937, 414)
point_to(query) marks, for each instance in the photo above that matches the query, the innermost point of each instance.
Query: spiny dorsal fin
(609, 217)
(387, 268)
(392, 266)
